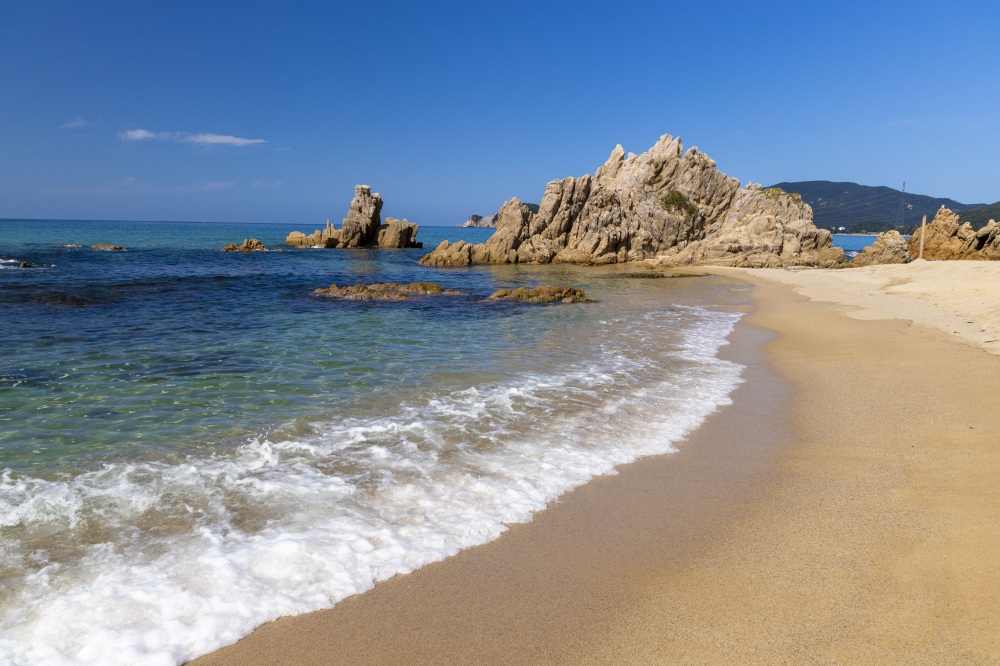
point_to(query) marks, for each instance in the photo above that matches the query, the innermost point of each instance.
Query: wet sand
(844, 508)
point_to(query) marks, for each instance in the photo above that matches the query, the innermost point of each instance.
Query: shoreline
(775, 533)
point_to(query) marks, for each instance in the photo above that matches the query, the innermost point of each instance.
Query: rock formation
(362, 227)
(947, 239)
(541, 294)
(490, 221)
(667, 206)
(26, 264)
(384, 291)
(889, 248)
(248, 245)
(480, 222)
(109, 248)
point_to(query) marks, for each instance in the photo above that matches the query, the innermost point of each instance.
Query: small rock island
(361, 228)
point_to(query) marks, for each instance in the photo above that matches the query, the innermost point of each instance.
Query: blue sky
(271, 112)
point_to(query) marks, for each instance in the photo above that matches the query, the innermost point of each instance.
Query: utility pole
(900, 212)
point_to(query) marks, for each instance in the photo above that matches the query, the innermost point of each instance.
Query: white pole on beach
(923, 228)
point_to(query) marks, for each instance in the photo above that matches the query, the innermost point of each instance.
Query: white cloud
(224, 139)
(74, 124)
(185, 137)
(131, 186)
(140, 134)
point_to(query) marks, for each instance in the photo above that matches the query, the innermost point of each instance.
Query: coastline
(841, 509)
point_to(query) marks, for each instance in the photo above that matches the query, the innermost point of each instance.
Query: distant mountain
(978, 217)
(859, 208)
(490, 221)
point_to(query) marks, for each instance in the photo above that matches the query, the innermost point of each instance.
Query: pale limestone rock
(889, 248)
(946, 238)
(397, 234)
(248, 245)
(362, 227)
(666, 206)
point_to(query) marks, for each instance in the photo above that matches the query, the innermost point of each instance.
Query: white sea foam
(169, 561)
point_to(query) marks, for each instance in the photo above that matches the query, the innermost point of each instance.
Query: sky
(271, 112)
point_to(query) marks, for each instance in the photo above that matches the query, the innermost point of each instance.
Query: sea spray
(158, 563)
(192, 443)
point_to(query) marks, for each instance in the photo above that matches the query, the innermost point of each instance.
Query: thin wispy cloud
(74, 124)
(186, 137)
(141, 134)
(266, 184)
(130, 186)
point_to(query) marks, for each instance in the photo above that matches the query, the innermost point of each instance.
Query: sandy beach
(844, 508)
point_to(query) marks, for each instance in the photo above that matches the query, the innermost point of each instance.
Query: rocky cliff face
(480, 222)
(362, 227)
(667, 206)
(889, 248)
(947, 239)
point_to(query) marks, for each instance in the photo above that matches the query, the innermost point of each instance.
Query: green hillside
(978, 217)
(859, 208)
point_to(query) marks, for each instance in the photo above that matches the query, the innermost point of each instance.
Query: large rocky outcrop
(889, 248)
(666, 205)
(362, 227)
(946, 238)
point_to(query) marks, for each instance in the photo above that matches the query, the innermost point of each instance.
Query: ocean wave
(159, 562)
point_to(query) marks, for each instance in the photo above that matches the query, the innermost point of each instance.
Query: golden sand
(845, 508)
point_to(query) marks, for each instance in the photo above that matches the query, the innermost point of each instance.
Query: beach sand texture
(844, 509)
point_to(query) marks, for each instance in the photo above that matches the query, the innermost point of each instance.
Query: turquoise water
(174, 341)
(192, 443)
(852, 243)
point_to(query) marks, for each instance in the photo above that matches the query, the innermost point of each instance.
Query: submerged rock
(362, 227)
(26, 264)
(543, 294)
(946, 238)
(248, 245)
(889, 248)
(109, 248)
(665, 206)
(384, 291)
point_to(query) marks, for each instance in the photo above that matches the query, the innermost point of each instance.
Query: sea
(852, 244)
(193, 443)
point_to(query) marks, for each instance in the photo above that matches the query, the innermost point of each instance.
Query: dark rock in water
(59, 298)
(248, 245)
(666, 206)
(889, 248)
(25, 264)
(543, 294)
(385, 291)
(362, 227)
(109, 248)
(948, 239)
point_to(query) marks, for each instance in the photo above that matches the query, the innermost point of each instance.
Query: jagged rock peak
(666, 206)
(947, 238)
(362, 227)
